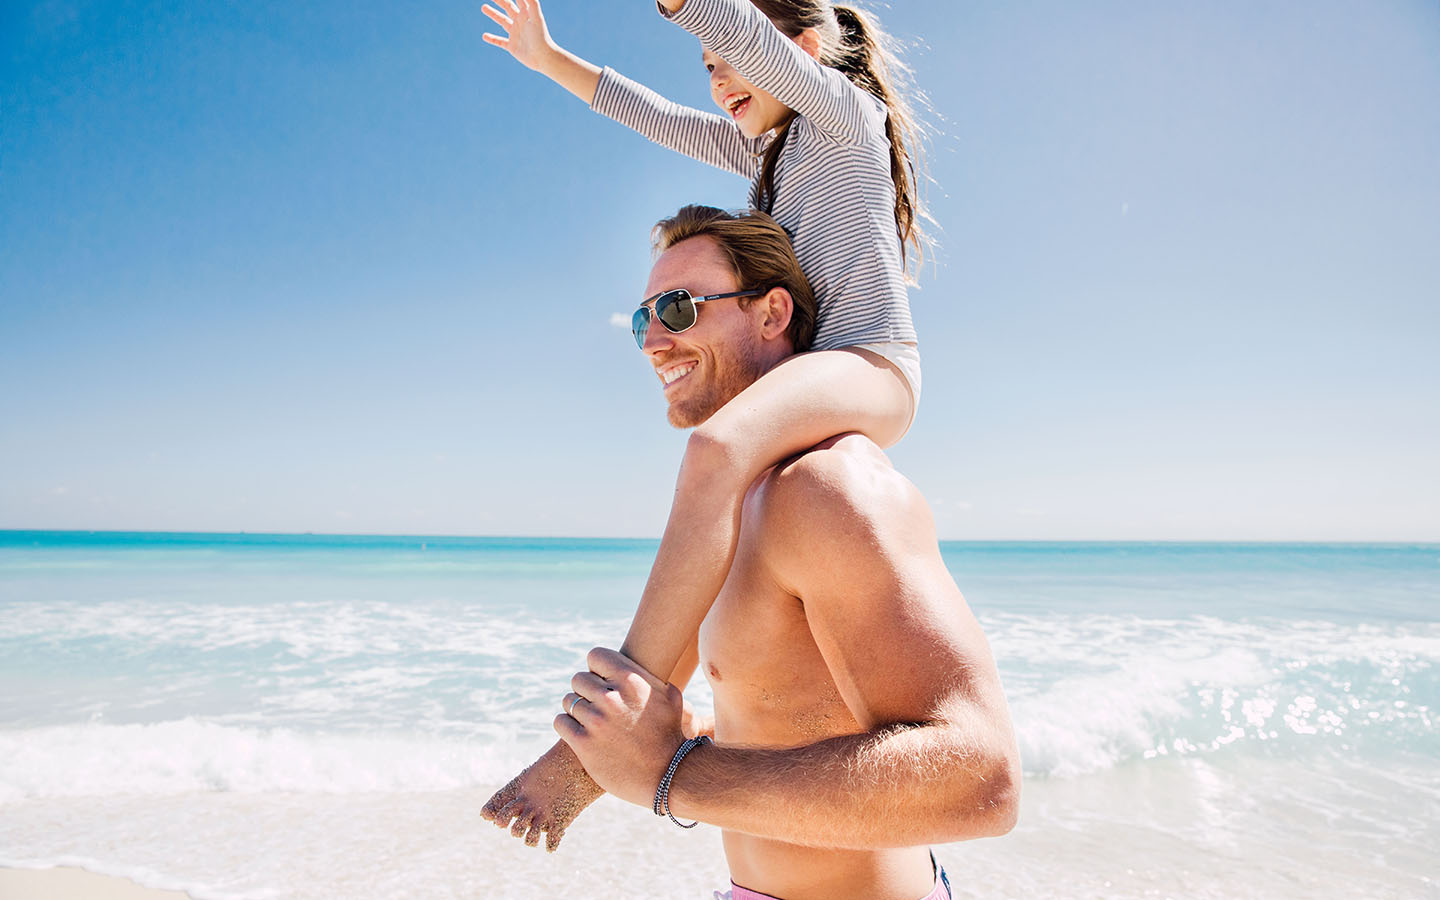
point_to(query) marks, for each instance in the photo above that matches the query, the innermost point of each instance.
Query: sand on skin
(74, 884)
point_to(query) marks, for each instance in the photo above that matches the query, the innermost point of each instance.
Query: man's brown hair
(760, 255)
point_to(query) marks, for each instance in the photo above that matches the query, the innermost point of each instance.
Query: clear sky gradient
(342, 267)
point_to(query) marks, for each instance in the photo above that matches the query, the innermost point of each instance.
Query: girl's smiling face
(751, 109)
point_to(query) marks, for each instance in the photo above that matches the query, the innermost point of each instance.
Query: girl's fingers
(495, 39)
(500, 18)
(508, 8)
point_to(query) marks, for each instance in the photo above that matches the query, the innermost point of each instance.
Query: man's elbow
(992, 803)
(1002, 796)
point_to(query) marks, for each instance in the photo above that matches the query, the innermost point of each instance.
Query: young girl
(812, 117)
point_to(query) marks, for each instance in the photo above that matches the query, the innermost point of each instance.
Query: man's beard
(734, 371)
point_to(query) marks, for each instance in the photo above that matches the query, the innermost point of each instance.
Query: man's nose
(657, 338)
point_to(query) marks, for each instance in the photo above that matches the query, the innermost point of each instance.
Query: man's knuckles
(633, 684)
(569, 729)
(604, 661)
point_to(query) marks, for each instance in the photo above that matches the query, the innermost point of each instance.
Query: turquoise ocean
(295, 716)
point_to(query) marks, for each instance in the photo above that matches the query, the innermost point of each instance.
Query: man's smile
(671, 374)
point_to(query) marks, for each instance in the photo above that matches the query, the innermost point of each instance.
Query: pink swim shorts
(941, 892)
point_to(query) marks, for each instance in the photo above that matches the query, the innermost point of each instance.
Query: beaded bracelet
(662, 793)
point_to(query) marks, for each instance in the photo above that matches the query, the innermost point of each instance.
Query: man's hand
(693, 724)
(623, 723)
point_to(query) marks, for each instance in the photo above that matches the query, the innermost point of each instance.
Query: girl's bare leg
(801, 402)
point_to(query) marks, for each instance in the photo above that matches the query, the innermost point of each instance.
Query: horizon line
(578, 537)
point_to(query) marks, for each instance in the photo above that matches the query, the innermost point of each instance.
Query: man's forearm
(900, 787)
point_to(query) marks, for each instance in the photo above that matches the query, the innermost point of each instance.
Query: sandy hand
(546, 797)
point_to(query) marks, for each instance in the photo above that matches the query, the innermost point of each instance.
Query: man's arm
(937, 761)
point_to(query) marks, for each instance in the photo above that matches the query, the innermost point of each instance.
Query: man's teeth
(671, 375)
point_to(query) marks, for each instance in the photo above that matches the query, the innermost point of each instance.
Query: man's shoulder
(847, 470)
(842, 495)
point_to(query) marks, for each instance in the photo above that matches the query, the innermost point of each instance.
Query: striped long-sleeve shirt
(833, 191)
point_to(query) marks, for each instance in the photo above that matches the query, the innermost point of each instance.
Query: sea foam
(188, 756)
(1089, 693)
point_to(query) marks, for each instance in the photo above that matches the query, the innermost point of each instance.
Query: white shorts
(906, 358)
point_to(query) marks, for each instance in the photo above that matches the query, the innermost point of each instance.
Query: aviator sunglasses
(675, 310)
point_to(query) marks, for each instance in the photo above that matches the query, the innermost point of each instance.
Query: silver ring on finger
(571, 710)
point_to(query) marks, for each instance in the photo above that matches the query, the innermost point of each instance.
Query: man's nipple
(713, 672)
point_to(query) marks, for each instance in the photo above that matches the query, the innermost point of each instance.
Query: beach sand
(74, 884)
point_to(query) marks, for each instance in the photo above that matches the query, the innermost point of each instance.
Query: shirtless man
(858, 712)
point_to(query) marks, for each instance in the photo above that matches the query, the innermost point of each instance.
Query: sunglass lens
(640, 325)
(675, 310)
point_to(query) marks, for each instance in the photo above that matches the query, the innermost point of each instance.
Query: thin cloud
(620, 320)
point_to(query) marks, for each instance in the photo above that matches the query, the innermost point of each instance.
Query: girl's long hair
(853, 42)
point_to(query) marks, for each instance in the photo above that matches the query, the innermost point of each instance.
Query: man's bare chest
(771, 683)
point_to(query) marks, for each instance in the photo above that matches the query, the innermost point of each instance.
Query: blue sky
(343, 267)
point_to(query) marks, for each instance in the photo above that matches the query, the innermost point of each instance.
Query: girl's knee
(711, 450)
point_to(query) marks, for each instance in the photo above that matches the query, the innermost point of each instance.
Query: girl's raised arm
(740, 34)
(707, 137)
(528, 40)
(711, 139)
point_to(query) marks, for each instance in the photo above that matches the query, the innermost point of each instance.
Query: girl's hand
(526, 37)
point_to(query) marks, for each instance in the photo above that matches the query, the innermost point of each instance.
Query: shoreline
(70, 883)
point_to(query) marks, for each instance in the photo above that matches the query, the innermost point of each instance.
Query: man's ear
(777, 307)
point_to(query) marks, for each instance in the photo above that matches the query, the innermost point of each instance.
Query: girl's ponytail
(862, 52)
(868, 60)
(852, 41)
